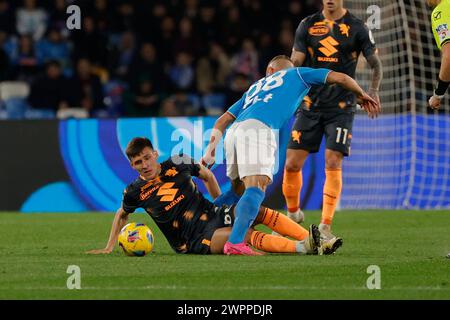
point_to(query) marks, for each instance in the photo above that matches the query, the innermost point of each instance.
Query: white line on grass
(235, 288)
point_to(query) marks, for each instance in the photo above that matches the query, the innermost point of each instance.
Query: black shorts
(221, 217)
(310, 126)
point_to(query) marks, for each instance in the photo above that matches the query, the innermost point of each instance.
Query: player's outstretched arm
(220, 125)
(368, 103)
(444, 78)
(210, 181)
(120, 219)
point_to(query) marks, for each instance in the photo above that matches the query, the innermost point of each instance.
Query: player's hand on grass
(369, 104)
(100, 251)
(434, 102)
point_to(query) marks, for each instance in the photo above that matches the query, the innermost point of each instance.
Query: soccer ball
(136, 239)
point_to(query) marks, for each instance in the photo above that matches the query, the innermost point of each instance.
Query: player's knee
(333, 160)
(293, 166)
(294, 161)
(238, 186)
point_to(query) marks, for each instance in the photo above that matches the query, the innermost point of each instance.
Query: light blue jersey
(274, 99)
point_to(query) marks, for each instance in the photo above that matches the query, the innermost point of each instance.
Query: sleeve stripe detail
(326, 77)
(231, 114)
(298, 72)
(445, 41)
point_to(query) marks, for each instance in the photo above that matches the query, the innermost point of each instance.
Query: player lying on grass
(191, 223)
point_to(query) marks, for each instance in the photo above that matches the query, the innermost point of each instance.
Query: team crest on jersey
(442, 31)
(344, 28)
(171, 172)
(296, 136)
(320, 30)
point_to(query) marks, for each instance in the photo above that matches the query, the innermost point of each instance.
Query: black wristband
(441, 87)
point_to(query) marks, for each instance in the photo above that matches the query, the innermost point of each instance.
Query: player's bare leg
(238, 186)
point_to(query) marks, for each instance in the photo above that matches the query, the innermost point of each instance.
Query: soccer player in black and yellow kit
(191, 223)
(333, 39)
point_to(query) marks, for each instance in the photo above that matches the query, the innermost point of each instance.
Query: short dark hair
(136, 145)
(279, 57)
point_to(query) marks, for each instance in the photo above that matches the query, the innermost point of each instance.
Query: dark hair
(136, 145)
(279, 57)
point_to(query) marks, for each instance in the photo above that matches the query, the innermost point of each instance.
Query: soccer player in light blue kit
(250, 143)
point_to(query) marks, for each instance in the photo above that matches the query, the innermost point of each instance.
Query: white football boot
(330, 246)
(325, 232)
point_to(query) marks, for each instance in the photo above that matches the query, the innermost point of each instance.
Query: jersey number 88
(265, 84)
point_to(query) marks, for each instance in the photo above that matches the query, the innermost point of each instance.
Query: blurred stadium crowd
(138, 58)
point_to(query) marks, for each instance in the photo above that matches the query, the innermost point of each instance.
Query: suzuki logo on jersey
(167, 192)
(328, 49)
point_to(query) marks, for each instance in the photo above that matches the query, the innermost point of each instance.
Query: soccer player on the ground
(250, 143)
(191, 223)
(440, 22)
(333, 39)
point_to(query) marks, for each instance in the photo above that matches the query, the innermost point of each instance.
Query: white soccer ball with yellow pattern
(136, 239)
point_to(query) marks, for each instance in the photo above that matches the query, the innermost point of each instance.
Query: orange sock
(278, 222)
(269, 243)
(292, 184)
(331, 193)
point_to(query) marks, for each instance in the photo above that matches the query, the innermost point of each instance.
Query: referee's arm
(444, 78)
(444, 73)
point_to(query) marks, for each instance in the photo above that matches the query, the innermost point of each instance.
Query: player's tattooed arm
(210, 181)
(120, 220)
(377, 74)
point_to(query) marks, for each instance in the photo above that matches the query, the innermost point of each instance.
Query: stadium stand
(138, 58)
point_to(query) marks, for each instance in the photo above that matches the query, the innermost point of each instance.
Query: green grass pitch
(408, 246)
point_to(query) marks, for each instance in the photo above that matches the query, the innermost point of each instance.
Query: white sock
(300, 247)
